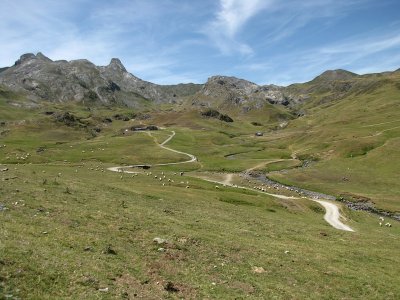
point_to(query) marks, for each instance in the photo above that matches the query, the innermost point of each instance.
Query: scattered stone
(3, 207)
(105, 290)
(4, 170)
(87, 249)
(159, 241)
(258, 270)
(109, 250)
(287, 252)
(161, 249)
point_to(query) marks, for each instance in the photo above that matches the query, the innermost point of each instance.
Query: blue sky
(174, 41)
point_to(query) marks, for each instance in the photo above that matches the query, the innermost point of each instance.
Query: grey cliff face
(80, 80)
(231, 91)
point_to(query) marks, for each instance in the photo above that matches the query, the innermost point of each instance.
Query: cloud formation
(265, 41)
(231, 17)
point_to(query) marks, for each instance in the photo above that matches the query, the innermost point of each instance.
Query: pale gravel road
(332, 215)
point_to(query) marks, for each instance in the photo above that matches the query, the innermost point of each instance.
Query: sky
(180, 41)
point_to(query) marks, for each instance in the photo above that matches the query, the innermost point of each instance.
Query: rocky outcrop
(80, 80)
(223, 91)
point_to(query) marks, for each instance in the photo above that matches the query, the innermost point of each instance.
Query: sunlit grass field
(71, 229)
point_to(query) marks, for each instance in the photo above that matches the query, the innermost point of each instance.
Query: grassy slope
(356, 138)
(216, 237)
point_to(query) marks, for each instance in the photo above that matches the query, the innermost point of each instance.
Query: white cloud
(231, 17)
(234, 14)
(364, 46)
(372, 52)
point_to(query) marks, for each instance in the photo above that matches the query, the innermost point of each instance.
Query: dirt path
(260, 165)
(228, 179)
(123, 169)
(332, 215)
(192, 157)
(378, 124)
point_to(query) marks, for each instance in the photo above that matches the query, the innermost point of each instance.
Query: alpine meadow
(115, 187)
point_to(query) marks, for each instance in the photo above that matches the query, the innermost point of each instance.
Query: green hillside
(72, 229)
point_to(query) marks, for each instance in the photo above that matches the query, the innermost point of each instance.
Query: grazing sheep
(380, 224)
(187, 186)
(382, 219)
(217, 187)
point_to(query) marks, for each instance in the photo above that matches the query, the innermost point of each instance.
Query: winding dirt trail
(122, 169)
(332, 214)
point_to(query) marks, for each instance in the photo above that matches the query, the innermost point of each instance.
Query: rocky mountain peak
(230, 81)
(116, 65)
(80, 80)
(228, 91)
(41, 56)
(27, 57)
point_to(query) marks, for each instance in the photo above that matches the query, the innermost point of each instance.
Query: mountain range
(40, 78)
